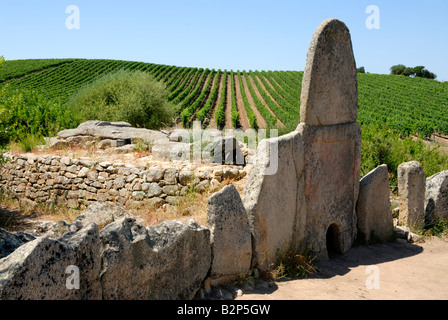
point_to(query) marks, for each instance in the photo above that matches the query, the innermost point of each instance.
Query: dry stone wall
(53, 179)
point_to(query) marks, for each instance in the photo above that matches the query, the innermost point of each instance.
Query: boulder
(375, 220)
(43, 268)
(170, 151)
(436, 197)
(230, 236)
(164, 262)
(9, 242)
(101, 213)
(113, 131)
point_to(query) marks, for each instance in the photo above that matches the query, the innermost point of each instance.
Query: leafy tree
(361, 70)
(419, 71)
(397, 69)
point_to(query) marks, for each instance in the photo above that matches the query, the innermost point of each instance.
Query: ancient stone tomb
(311, 199)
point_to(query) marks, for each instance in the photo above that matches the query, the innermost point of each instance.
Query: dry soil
(403, 272)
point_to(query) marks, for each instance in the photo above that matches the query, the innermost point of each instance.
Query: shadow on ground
(15, 220)
(340, 265)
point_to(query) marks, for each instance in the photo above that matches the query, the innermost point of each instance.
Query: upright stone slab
(436, 197)
(411, 193)
(230, 236)
(375, 221)
(272, 201)
(329, 85)
(331, 140)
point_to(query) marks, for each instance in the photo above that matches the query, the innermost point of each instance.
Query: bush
(24, 113)
(132, 96)
(381, 145)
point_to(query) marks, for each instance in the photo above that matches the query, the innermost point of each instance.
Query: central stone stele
(311, 199)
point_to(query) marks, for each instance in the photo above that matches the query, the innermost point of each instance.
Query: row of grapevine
(205, 111)
(408, 105)
(235, 118)
(190, 108)
(220, 112)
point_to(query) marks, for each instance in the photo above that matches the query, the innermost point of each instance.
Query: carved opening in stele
(334, 247)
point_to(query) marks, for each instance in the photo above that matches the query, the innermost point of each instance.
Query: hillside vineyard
(244, 99)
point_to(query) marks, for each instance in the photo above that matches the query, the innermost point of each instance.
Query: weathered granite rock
(331, 140)
(170, 151)
(375, 221)
(9, 242)
(230, 236)
(329, 86)
(332, 162)
(114, 131)
(436, 197)
(38, 270)
(411, 193)
(273, 198)
(165, 262)
(101, 213)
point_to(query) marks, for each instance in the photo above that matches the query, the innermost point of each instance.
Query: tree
(397, 69)
(2, 59)
(419, 71)
(361, 70)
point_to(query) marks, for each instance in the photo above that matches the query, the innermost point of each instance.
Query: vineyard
(244, 99)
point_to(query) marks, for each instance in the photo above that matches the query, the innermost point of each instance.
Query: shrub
(132, 96)
(24, 113)
(382, 145)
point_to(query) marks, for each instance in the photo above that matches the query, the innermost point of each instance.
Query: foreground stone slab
(274, 201)
(230, 236)
(436, 197)
(411, 193)
(375, 221)
(165, 262)
(40, 269)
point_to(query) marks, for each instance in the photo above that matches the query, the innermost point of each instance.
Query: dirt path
(244, 121)
(260, 97)
(260, 120)
(404, 272)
